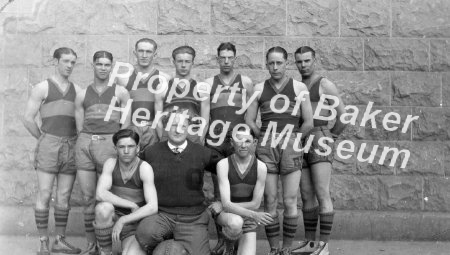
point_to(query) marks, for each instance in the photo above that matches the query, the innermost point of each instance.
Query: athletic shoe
(273, 251)
(285, 251)
(304, 247)
(322, 249)
(43, 250)
(91, 249)
(62, 246)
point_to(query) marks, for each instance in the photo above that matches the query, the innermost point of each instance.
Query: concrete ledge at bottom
(353, 225)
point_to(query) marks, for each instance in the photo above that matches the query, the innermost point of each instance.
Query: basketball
(169, 247)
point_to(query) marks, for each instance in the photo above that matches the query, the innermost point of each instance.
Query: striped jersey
(188, 101)
(131, 188)
(242, 184)
(142, 97)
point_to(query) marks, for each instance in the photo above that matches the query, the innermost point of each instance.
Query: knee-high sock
(273, 232)
(61, 216)
(41, 218)
(104, 236)
(326, 223)
(289, 228)
(88, 219)
(310, 219)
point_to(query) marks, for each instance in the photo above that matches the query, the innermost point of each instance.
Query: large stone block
(343, 166)
(433, 124)
(437, 194)
(354, 193)
(52, 42)
(416, 89)
(365, 18)
(290, 44)
(249, 17)
(396, 54)
(440, 55)
(446, 158)
(313, 18)
(19, 51)
(18, 187)
(377, 130)
(446, 89)
(17, 154)
(400, 193)
(116, 44)
(249, 52)
(14, 83)
(426, 158)
(12, 118)
(36, 75)
(345, 54)
(82, 76)
(206, 49)
(184, 17)
(420, 18)
(33, 17)
(360, 88)
(368, 158)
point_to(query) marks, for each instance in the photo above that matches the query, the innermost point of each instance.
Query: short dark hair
(148, 40)
(63, 50)
(183, 49)
(305, 49)
(102, 54)
(125, 133)
(277, 49)
(244, 128)
(226, 46)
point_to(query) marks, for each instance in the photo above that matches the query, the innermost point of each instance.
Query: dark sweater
(179, 177)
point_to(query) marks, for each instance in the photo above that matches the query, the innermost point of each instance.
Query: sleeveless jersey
(315, 98)
(58, 110)
(187, 102)
(220, 109)
(133, 189)
(282, 119)
(242, 184)
(142, 97)
(95, 108)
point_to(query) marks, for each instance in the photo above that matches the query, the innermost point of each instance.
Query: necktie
(176, 150)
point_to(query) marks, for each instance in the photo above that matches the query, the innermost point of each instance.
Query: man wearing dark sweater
(178, 166)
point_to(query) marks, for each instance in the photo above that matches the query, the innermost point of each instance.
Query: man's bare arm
(203, 92)
(38, 94)
(151, 206)
(104, 185)
(330, 89)
(79, 109)
(306, 108)
(252, 111)
(124, 96)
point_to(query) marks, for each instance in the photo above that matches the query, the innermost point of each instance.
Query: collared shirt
(179, 148)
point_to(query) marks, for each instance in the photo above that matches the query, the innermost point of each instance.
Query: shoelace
(62, 239)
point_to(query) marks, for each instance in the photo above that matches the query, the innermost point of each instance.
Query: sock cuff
(327, 213)
(290, 217)
(45, 210)
(62, 209)
(310, 210)
(101, 227)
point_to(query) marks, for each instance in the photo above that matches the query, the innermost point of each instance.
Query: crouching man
(126, 194)
(242, 179)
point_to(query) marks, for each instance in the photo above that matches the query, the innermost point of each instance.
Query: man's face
(276, 64)
(102, 68)
(305, 63)
(145, 52)
(183, 64)
(127, 149)
(66, 64)
(243, 146)
(226, 60)
(178, 130)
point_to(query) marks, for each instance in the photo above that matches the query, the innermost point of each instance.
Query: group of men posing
(142, 185)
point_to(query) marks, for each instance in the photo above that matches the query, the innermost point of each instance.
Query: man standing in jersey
(54, 99)
(178, 166)
(143, 105)
(316, 171)
(184, 92)
(227, 91)
(98, 115)
(126, 194)
(242, 179)
(273, 95)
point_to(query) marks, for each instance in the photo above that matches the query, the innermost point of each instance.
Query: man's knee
(147, 234)
(104, 212)
(234, 224)
(89, 202)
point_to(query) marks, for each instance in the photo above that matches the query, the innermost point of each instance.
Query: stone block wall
(394, 53)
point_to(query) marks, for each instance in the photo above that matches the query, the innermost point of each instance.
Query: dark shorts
(128, 229)
(249, 225)
(55, 154)
(91, 151)
(312, 157)
(280, 161)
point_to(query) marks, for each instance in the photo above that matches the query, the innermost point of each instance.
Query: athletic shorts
(249, 225)
(147, 135)
(91, 151)
(128, 229)
(312, 157)
(55, 154)
(277, 160)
